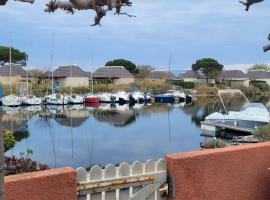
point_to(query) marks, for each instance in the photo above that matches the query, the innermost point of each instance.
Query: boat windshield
(253, 105)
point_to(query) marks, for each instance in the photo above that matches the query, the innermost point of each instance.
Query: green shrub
(261, 85)
(205, 89)
(250, 90)
(9, 140)
(262, 133)
(185, 85)
(214, 143)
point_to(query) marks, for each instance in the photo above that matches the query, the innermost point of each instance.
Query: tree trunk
(2, 160)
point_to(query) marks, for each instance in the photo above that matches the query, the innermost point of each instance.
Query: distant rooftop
(69, 71)
(258, 74)
(233, 74)
(16, 70)
(161, 74)
(112, 72)
(190, 74)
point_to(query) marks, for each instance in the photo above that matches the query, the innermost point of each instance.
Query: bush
(213, 143)
(205, 89)
(250, 90)
(262, 86)
(9, 140)
(185, 85)
(262, 133)
(22, 165)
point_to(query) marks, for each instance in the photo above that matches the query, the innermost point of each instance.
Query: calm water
(81, 136)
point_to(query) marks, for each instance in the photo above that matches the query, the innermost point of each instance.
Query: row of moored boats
(120, 97)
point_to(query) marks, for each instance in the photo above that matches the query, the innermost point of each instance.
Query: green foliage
(130, 66)
(143, 71)
(20, 135)
(263, 67)
(16, 55)
(9, 140)
(209, 67)
(261, 85)
(185, 85)
(262, 133)
(250, 90)
(214, 143)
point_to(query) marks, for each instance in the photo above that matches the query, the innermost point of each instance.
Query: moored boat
(106, 97)
(56, 99)
(250, 116)
(164, 98)
(91, 98)
(31, 100)
(121, 97)
(12, 100)
(75, 99)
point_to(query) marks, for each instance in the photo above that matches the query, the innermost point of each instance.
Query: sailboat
(55, 98)
(91, 97)
(11, 99)
(74, 98)
(30, 100)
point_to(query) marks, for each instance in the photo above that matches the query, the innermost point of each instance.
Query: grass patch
(262, 133)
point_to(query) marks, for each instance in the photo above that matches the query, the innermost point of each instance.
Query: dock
(219, 125)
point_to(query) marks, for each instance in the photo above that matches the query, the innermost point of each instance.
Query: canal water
(101, 134)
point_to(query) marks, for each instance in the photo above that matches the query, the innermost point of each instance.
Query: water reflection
(106, 133)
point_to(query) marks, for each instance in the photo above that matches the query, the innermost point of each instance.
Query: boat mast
(92, 85)
(52, 60)
(10, 84)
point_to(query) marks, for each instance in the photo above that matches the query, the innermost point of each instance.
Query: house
(12, 75)
(161, 75)
(191, 76)
(259, 76)
(233, 78)
(113, 74)
(70, 76)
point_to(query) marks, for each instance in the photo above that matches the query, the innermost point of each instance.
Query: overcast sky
(187, 29)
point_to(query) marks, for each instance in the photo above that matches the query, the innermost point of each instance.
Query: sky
(186, 29)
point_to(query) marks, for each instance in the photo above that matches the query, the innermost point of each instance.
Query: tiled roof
(161, 74)
(112, 72)
(233, 74)
(253, 75)
(16, 70)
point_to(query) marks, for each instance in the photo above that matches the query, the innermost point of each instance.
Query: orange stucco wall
(233, 173)
(56, 184)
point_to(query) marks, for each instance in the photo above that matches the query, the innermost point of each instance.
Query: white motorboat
(11, 100)
(250, 116)
(56, 99)
(75, 99)
(121, 97)
(106, 97)
(31, 100)
(136, 97)
(178, 94)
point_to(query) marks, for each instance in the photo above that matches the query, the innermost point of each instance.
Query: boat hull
(164, 99)
(12, 101)
(91, 100)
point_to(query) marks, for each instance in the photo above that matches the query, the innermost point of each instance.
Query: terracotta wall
(56, 184)
(233, 173)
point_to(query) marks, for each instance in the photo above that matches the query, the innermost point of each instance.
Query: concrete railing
(56, 184)
(230, 173)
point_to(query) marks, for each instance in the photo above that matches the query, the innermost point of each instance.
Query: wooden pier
(219, 125)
